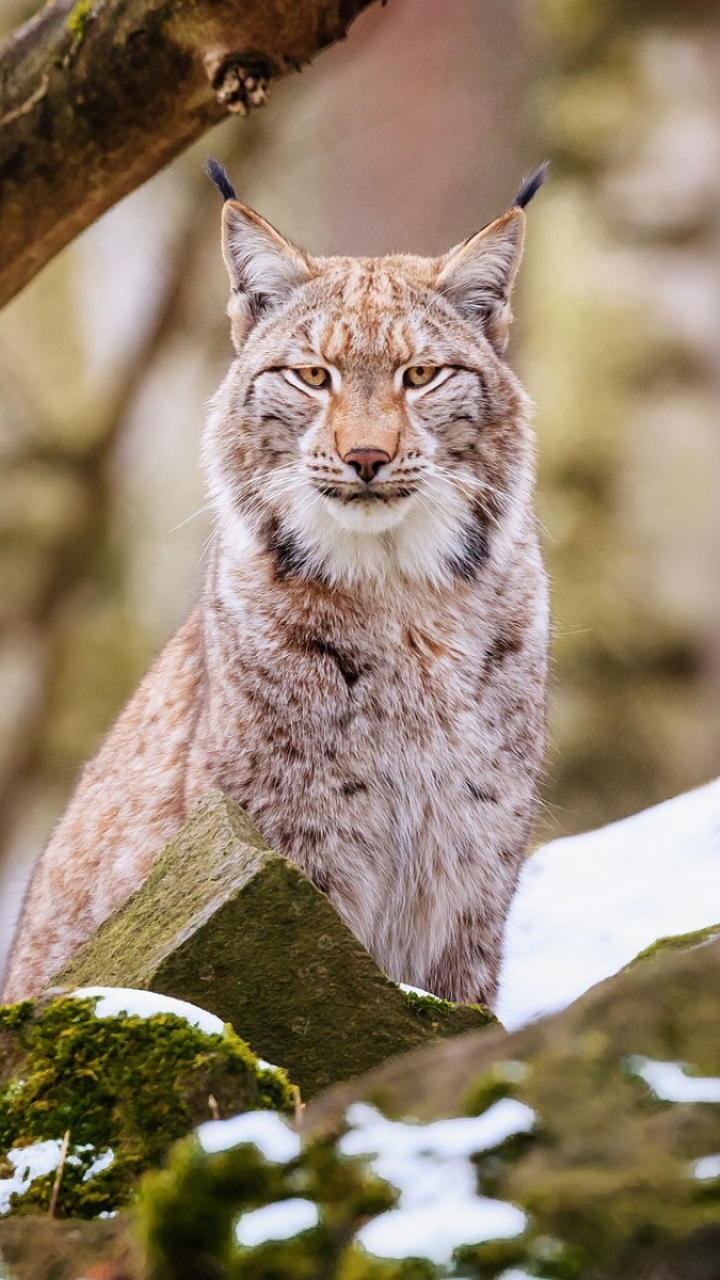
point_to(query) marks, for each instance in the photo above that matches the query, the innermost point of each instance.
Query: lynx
(366, 669)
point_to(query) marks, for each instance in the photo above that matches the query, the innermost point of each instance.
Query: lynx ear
(478, 275)
(263, 267)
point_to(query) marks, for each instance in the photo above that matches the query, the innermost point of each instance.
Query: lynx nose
(367, 462)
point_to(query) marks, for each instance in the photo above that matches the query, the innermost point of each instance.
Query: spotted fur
(366, 669)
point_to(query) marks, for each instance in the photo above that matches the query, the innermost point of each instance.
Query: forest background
(410, 135)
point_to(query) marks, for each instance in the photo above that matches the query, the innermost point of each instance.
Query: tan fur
(366, 670)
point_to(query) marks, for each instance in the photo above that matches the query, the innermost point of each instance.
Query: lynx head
(369, 427)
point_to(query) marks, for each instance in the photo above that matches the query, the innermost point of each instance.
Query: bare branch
(97, 95)
(59, 1174)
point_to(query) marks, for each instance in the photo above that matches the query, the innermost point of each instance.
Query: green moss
(443, 1018)
(428, 1006)
(678, 942)
(357, 1265)
(77, 21)
(129, 1085)
(500, 1081)
(187, 1214)
(491, 1258)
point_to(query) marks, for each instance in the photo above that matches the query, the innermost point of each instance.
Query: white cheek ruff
(415, 538)
(368, 517)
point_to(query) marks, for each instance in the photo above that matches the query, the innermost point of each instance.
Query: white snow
(707, 1167)
(670, 1083)
(101, 1162)
(439, 1207)
(44, 1157)
(433, 1232)
(418, 991)
(271, 1135)
(588, 904)
(30, 1163)
(277, 1221)
(115, 1001)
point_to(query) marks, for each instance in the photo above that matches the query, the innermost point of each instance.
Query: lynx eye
(419, 375)
(313, 376)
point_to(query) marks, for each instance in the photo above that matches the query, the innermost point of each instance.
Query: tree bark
(97, 95)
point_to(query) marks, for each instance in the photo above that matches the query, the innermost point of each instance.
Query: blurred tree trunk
(96, 97)
(623, 358)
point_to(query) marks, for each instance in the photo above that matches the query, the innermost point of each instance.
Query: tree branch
(97, 95)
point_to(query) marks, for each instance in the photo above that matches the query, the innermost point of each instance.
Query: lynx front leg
(467, 970)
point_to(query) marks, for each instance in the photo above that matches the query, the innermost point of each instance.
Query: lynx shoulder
(365, 671)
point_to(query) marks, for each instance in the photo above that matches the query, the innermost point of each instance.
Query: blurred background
(409, 136)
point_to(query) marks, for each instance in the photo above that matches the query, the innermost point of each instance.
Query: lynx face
(369, 427)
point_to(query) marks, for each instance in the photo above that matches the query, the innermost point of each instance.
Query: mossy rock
(620, 1177)
(588, 1142)
(123, 1088)
(206, 1214)
(678, 942)
(229, 925)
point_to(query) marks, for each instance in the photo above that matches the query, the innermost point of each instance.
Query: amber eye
(313, 376)
(419, 375)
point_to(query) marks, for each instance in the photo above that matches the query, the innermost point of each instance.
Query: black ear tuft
(531, 186)
(218, 173)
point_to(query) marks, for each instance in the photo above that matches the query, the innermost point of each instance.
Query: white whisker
(200, 512)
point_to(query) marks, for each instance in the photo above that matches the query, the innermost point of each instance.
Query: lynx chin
(366, 669)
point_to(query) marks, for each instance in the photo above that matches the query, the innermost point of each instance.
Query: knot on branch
(240, 80)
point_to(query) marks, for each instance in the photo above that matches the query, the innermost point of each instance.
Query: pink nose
(367, 462)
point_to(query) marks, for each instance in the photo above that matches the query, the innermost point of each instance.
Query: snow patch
(418, 991)
(278, 1221)
(587, 905)
(101, 1162)
(439, 1206)
(264, 1129)
(707, 1167)
(669, 1082)
(29, 1163)
(42, 1158)
(114, 1002)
